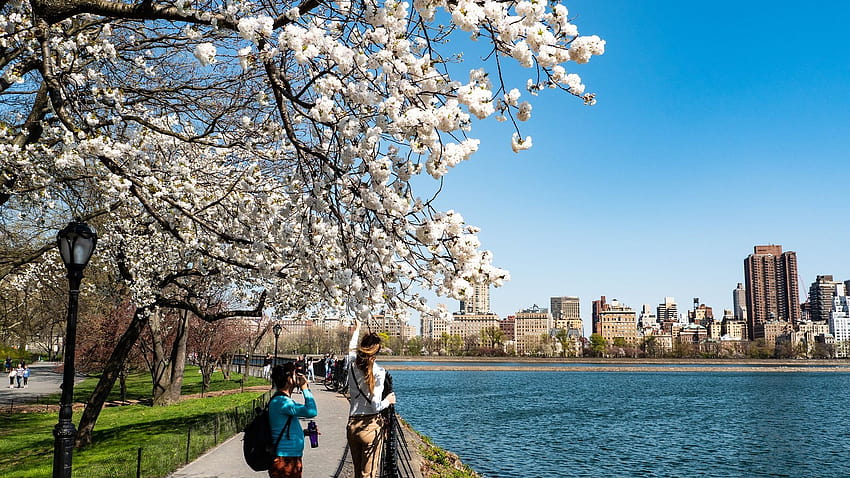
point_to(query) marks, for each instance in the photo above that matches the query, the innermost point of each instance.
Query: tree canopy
(267, 146)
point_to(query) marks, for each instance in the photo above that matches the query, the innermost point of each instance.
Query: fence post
(215, 430)
(188, 441)
(139, 464)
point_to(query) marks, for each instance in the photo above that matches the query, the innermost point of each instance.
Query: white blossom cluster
(272, 149)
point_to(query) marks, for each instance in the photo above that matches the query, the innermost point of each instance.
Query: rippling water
(648, 424)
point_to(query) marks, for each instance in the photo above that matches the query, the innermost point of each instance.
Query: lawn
(139, 385)
(166, 436)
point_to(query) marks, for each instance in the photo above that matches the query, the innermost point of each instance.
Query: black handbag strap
(285, 428)
(357, 383)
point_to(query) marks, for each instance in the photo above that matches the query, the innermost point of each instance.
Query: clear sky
(719, 126)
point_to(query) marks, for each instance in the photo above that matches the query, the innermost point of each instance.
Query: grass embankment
(435, 461)
(166, 435)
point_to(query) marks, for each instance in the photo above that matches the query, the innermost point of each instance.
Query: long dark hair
(366, 353)
(281, 373)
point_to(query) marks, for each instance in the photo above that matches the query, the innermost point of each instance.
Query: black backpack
(257, 445)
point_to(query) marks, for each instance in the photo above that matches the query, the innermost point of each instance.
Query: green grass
(163, 433)
(444, 464)
(139, 384)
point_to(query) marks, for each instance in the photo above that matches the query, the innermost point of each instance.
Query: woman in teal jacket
(283, 418)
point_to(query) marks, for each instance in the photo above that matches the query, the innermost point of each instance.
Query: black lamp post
(276, 329)
(76, 244)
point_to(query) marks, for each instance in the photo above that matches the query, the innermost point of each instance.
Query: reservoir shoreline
(526, 364)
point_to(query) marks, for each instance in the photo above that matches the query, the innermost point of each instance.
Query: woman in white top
(366, 385)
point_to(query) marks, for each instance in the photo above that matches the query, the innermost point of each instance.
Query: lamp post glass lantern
(76, 244)
(276, 329)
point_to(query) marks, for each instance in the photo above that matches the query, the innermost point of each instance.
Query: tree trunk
(122, 379)
(207, 364)
(167, 372)
(224, 363)
(107, 378)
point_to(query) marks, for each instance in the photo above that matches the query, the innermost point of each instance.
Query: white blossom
(518, 144)
(303, 165)
(524, 113)
(205, 53)
(582, 48)
(255, 28)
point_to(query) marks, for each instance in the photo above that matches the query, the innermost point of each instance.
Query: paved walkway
(44, 380)
(330, 459)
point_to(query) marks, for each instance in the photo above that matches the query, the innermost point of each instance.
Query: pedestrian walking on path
(46, 381)
(19, 374)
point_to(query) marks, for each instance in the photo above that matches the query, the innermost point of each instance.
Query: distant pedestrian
(329, 366)
(365, 430)
(267, 366)
(301, 364)
(26, 375)
(19, 374)
(311, 374)
(8, 364)
(283, 418)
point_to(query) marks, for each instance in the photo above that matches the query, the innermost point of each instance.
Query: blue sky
(719, 126)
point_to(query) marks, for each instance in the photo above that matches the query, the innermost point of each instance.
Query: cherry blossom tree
(212, 344)
(268, 147)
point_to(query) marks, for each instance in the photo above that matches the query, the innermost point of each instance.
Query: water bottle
(313, 432)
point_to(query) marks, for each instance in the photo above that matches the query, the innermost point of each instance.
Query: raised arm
(308, 409)
(355, 336)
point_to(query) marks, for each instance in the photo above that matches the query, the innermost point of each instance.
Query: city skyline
(700, 147)
(679, 306)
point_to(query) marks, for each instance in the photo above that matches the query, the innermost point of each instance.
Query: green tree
(492, 336)
(414, 346)
(758, 349)
(452, 344)
(563, 338)
(823, 351)
(650, 347)
(597, 345)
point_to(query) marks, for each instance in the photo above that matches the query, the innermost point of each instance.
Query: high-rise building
(701, 315)
(668, 311)
(839, 322)
(566, 312)
(599, 306)
(393, 325)
(508, 326)
(479, 303)
(434, 326)
(739, 302)
(530, 325)
(773, 294)
(618, 321)
(469, 327)
(647, 319)
(821, 293)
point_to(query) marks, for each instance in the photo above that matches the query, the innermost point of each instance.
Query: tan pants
(365, 440)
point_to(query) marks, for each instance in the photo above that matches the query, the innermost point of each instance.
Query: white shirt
(362, 402)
